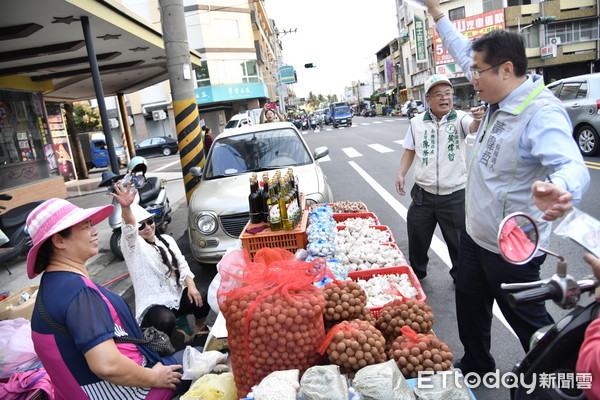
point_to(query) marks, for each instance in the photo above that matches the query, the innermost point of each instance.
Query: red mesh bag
(398, 313)
(414, 352)
(353, 345)
(273, 313)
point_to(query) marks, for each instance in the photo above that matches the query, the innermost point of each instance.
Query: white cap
(436, 80)
(140, 213)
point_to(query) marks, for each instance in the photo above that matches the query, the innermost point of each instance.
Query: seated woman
(85, 362)
(162, 280)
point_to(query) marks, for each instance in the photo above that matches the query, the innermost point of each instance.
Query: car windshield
(232, 123)
(341, 110)
(256, 151)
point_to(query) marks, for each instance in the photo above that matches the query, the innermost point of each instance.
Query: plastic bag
(273, 313)
(324, 382)
(197, 364)
(440, 387)
(212, 293)
(212, 387)
(582, 228)
(382, 382)
(278, 385)
(16, 347)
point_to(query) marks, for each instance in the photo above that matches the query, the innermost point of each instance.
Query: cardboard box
(10, 307)
(217, 338)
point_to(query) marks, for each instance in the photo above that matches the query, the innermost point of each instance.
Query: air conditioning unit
(113, 123)
(159, 115)
(555, 40)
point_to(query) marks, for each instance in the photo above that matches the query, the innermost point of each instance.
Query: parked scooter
(152, 195)
(12, 224)
(554, 349)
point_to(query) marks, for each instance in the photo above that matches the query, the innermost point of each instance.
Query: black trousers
(163, 318)
(479, 277)
(424, 213)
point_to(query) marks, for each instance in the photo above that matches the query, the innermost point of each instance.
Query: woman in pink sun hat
(75, 321)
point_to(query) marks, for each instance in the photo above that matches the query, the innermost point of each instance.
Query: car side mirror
(320, 152)
(196, 171)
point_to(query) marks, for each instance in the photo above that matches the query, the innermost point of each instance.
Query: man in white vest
(436, 144)
(524, 159)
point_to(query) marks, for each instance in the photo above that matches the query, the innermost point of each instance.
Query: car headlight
(207, 223)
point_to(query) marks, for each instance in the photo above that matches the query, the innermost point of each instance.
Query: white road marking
(400, 142)
(390, 120)
(351, 152)
(437, 245)
(380, 148)
(167, 166)
(326, 158)
(365, 123)
(377, 122)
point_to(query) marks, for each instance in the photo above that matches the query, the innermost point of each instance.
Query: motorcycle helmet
(137, 164)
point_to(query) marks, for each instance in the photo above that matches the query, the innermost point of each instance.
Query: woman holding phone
(268, 113)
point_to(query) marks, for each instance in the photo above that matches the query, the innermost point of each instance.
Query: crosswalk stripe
(326, 158)
(380, 148)
(365, 123)
(351, 152)
(377, 122)
(400, 142)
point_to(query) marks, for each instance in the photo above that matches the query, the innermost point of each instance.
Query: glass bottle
(274, 211)
(296, 191)
(285, 206)
(254, 201)
(265, 197)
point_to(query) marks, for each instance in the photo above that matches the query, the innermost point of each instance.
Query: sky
(340, 36)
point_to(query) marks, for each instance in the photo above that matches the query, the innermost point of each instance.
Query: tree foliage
(86, 118)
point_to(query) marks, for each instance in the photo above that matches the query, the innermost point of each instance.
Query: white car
(218, 208)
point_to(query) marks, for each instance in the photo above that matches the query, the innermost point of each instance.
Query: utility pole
(187, 122)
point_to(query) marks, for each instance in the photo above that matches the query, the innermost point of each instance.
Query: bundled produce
(321, 233)
(324, 382)
(398, 313)
(365, 256)
(273, 314)
(345, 300)
(278, 385)
(353, 345)
(414, 352)
(382, 289)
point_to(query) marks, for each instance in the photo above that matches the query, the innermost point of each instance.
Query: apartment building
(565, 47)
(239, 49)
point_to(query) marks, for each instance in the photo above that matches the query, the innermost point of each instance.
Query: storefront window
(24, 135)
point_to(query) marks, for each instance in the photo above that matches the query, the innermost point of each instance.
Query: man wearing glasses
(437, 140)
(524, 159)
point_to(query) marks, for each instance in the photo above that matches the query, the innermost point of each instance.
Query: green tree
(86, 118)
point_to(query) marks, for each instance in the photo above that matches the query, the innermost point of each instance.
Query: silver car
(580, 95)
(218, 208)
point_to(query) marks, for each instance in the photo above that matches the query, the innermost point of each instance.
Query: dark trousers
(479, 277)
(424, 213)
(164, 319)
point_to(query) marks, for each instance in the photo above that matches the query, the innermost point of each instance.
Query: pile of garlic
(361, 235)
(368, 256)
(358, 222)
(381, 289)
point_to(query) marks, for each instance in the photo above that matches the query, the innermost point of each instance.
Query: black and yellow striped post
(191, 141)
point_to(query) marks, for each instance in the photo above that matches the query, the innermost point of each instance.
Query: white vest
(440, 153)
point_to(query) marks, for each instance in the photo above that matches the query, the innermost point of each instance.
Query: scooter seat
(150, 190)
(17, 216)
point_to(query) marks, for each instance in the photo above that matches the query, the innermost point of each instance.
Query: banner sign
(419, 26)
(471, 27)
(286, 74)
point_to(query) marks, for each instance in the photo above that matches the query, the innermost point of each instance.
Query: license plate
(343, 120)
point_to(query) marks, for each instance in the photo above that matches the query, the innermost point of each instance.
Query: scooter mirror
(518, 238)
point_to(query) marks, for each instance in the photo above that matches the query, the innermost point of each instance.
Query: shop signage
(471, 27)
(286, 74)
(419, 27)
(214, 94)
(548, 51)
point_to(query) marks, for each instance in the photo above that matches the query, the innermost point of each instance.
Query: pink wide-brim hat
(54, 216)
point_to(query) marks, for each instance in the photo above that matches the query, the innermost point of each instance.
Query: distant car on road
(420, 107)
(218, 208)
(157, 146)
(580, 95)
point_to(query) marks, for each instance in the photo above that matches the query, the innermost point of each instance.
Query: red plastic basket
(403, 269)
(379, 227)
(341, 217)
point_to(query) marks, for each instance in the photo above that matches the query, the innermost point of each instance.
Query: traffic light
(310, 65)
(543, 20)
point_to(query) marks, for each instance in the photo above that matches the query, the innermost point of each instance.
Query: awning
(389, 92)
(43, 48)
